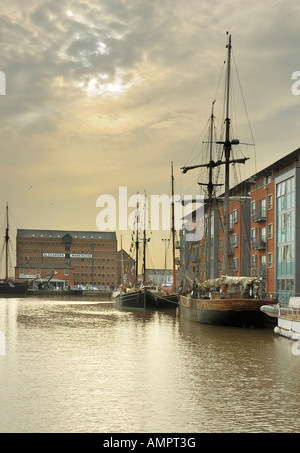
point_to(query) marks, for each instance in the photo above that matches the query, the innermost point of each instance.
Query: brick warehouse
(72, 258)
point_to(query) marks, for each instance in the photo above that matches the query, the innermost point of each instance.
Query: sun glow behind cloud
(101, 86)
(76, 17)
(97, 84)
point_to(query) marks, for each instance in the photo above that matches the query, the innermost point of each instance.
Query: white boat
(288, 324)
(116, 293)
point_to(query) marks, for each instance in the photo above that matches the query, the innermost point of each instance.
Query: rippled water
(87, 367)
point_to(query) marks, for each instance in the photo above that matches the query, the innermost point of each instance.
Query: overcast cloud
(107, 93)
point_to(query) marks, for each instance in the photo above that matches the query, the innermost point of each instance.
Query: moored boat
(288, 322)
(227, 300)
(223, 312)
(145, 295)
(12, 288)
(146, 299)
(9, 286)
(115, 293)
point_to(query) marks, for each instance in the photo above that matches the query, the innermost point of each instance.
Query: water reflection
(87, 367)
(8, 323)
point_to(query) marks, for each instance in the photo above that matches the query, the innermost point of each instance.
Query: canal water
(85, 367)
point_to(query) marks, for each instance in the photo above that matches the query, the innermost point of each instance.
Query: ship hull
(288, 320)
(223, 312)
(167, 301)
(7, 289)
(146, 300)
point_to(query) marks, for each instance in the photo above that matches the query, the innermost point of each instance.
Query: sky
(106, 94)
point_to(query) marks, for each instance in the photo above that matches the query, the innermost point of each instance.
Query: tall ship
(144, 295)
(226, 300)
(10, 286)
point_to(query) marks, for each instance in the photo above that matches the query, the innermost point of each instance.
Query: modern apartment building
(277, 192)
(264, 231)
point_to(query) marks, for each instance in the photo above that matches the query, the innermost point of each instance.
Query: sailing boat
(144, 296)
(209, 301)
(8, 286)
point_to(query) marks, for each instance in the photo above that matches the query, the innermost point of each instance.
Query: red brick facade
(255, 236)
(72, 258)
(263, 232)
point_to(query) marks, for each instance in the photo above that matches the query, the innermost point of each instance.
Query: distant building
(160, 277)
(126, 272)
(67, 258)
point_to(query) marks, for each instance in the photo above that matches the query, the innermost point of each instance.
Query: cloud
(107, 94)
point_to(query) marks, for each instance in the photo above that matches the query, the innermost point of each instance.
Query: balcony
(259, 215)
(230, 250)
(259, 271)
(259, 243)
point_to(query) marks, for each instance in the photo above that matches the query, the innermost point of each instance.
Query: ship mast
(227, 152)
(212, 164)
(137, 244)
(173, 230)
(122, 267)
(144, 244)
(210, 188)
(145, 239)
(6, 244)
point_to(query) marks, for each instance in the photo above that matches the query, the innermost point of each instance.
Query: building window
(66, 272)
(262, 265)
(286, 227)
(253, 262)
(253, 207)
(235, 264)
(285, 195)
(270, 259)
(286, 260)
(231, 244)
(253, 233)
(233, 218)
(262, 205)
(270, 201)
(235, 240)
(235, 215)
(270, 230)
(262, 234)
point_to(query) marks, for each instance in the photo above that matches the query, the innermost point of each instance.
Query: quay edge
(96, 295)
